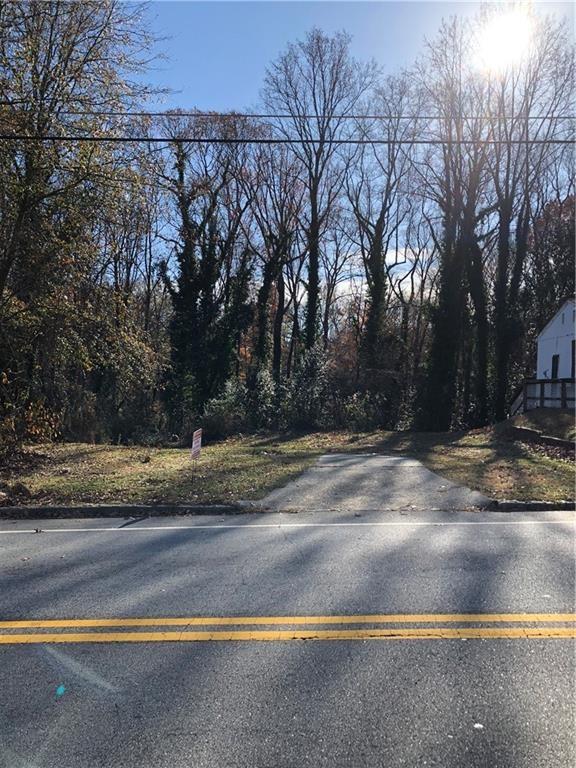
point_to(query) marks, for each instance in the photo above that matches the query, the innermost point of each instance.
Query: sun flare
(504, 41)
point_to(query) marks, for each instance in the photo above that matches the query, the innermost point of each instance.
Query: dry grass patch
(250, 467)
(79, 473)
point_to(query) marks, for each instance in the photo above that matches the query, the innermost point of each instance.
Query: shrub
(364, 411)
(306, 401)
(227, 413)
(263, 401)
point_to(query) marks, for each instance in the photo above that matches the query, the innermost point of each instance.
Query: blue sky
(218, 51)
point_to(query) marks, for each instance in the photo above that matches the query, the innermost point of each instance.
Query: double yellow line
(382, 627)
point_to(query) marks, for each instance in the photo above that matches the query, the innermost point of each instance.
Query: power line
(240, 141)
(280, 116)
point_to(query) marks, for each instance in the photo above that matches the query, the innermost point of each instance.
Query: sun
(504, 40)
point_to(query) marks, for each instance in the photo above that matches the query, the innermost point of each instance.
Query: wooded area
(371, 251)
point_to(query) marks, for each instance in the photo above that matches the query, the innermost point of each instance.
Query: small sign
(196, 444)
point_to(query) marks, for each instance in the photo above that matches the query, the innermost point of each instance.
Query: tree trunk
(441, 385)
(277, 331)
(293, 341)
(262, 346)
(478, 296)
(501, 331)
(373, 352)
(313, 276)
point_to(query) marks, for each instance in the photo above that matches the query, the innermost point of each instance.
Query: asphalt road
(453, 697)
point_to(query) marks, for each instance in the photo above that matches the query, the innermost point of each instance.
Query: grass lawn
(249, 467)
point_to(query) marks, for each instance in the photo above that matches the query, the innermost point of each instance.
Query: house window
(555, 363)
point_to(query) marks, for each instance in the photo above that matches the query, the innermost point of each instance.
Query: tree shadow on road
(374, 703)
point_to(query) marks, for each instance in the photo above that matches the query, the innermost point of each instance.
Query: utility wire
(195, 140)
(173, 114)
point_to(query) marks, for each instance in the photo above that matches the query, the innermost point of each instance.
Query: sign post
(196, 444)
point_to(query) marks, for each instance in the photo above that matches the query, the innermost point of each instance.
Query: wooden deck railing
(545, 393)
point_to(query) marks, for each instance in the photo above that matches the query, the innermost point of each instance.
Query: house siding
(556, 339)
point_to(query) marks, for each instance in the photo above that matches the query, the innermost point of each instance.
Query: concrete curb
(512, 505)
(122, 510)
(239, 508)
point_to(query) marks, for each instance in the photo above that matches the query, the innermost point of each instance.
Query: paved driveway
(370, 482)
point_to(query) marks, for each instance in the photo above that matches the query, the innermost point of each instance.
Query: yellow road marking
(439, 633)
(194, 621)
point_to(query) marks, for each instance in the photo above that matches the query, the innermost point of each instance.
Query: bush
(227, 413)
(22, 421)
(306, 402)
(364, 411)
(407, 412)
(263, 401)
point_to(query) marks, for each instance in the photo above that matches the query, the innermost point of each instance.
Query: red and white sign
(196, 444)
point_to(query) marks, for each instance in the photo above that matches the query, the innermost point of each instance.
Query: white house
(554, 385)
(556, 342)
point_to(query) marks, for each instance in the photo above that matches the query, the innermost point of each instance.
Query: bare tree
(314, 86)
(412, 285)
(209, 280)
(528, 106)
(380, 186)
(453, 175)
(276, 200)
(338, 260)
